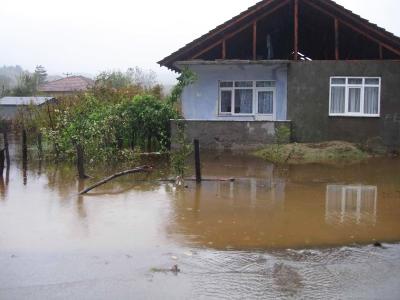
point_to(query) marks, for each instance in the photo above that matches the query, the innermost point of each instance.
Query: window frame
(361, 86)
(255, 90)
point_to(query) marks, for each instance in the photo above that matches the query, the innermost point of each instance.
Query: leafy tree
(133, 77)
(147, 79)
(5, 84)
(115, 79)
(27, 85)
(40, 74)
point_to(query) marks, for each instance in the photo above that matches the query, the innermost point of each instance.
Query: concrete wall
(200, 100)
(308, 102)
(229, 135)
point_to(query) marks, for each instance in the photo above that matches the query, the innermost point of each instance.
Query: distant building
(66, 86)
(10, 105)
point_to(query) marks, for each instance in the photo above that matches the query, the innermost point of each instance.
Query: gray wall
(8, 111)
(308, 102)
(229, 135)
(200, 100)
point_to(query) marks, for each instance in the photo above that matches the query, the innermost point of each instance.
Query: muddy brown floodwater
(275, 232)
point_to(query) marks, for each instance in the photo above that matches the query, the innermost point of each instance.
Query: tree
(115, 79)
(5, 83)
(41, 74)
(27, 84)
(144, 78)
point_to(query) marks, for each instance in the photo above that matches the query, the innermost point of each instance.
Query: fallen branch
(116, 175)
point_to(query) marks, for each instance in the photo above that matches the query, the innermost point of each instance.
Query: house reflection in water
(351, 203)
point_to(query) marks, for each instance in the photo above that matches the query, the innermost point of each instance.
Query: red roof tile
(68, 84)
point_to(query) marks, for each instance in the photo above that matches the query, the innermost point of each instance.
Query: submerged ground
(276, 232)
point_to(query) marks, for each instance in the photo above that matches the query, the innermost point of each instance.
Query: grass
(335, 152)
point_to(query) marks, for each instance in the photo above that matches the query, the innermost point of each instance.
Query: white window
(355, 96)
(246, 98)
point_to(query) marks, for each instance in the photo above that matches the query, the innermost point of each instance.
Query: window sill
(354, 116)
(244, 115)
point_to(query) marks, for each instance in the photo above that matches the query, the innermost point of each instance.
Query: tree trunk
(133, 140)
(149, 144)
(120, 143)
(80, 161)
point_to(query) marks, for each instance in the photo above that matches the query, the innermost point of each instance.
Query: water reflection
(293, 207)
(265, 207)
(3, 191)
(351, 203)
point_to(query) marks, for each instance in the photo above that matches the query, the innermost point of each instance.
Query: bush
(102, 128)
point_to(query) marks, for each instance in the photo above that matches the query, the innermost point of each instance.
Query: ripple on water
(311, 274)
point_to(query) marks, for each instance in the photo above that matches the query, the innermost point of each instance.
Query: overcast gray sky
(84, 36)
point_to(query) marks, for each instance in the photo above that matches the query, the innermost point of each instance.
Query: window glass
(226, 84)
(354, 100)
(338, 80)
(355, 96)
(243, 101)
(338, 99)
(265, 102)
(372, 81)
(226, 101)
(355, 80)
(244, 84)
(371, 100)
(265, 83)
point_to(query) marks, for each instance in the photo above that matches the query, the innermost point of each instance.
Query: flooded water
(273, 232)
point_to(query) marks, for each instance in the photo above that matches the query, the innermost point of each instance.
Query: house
(313, 65)
(9, 106)
(66, 86)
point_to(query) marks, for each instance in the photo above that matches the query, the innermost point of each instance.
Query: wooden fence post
(5, 137)
(197, 160)
(2, 158)
(24, 147)
(39, 144)
(80, 162)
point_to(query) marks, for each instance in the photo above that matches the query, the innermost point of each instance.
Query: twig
(105, 180)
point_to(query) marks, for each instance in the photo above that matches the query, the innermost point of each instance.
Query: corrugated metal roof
(24, 100)
(68, 84)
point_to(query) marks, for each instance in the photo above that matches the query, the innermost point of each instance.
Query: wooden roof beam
(353, 27)
(296, 30)
(247, 25)
(336, 24)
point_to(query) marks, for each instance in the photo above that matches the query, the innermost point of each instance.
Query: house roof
(245, 18)
(68, 84)
(16, 101)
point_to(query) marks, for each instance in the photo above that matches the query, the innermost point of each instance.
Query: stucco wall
(200, 100)
(308, 102)
(229, 135)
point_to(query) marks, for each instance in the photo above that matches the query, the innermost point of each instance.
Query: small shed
(10, 105)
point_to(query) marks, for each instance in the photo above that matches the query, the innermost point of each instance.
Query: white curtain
(337, 99)
(265, 102)
(226, 101)
(243, 101)
(371, 100)
(354, 99)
